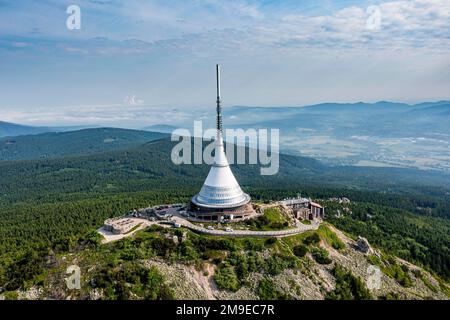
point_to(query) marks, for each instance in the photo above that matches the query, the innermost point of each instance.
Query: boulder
(363, 245)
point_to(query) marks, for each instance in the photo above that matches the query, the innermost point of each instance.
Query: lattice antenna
(219, 108)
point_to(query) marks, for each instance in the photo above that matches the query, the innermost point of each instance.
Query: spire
(220, 158)
(219, 108)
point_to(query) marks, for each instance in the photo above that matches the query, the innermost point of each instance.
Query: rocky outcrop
(308, 280)
(362, 245)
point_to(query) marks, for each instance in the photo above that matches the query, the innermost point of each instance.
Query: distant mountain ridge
(336, 106)
(8, 129)
(72, 143)
(163, 128)
(12, 129)
(382, 133)
(344, 104)
(388, 134)
(382, 119)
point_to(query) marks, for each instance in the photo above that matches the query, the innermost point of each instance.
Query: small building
(304, 208)
(317, 211)
(301, 213)
(119, 226)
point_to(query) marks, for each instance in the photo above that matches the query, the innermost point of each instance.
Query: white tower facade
(220, 189)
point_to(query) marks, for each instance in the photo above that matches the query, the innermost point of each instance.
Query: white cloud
(273, 56)
(132, 100)
(238, 27)
(135, 115)
(19, 44)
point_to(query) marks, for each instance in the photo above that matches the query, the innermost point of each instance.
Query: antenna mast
(219, 108)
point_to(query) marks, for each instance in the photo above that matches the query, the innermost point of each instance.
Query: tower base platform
(201, 214)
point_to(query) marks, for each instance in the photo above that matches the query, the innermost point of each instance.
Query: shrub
(204, 243)
(277, 263)
(254, 262)
(253, 244)
(266, 290)
(187, 252)
(300, 250)
(398, 272)
(373, 259)
(348, 287)
(163, 247)
(11, 295)
(391, 296)
(154, 228)
(312, 239)
(401, 275)
(216, 256)
(24, 269)
(320, 255)
(226, 278)
(93, 238)
(132, 279)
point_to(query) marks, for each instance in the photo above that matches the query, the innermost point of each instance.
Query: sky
(144, 62)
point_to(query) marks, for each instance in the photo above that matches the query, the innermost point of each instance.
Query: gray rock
(363, 245)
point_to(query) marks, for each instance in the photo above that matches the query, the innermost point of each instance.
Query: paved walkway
(300, 228)
(143, 223)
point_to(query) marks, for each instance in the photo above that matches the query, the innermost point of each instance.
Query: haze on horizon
(135, 61)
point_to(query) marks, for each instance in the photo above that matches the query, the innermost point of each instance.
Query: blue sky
(144, 61)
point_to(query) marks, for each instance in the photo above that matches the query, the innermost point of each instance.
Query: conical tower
(220, 191)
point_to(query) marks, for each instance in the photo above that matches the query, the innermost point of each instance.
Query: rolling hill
(11, 129)
(8, 129)
(72, 143)
(149, 166)
(164, 128)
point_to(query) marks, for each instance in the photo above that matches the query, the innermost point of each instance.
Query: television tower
(220, 191)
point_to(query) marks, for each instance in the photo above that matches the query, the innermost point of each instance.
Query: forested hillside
(56, 203)
(72, 143)
(149, 167)
(12, 129)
